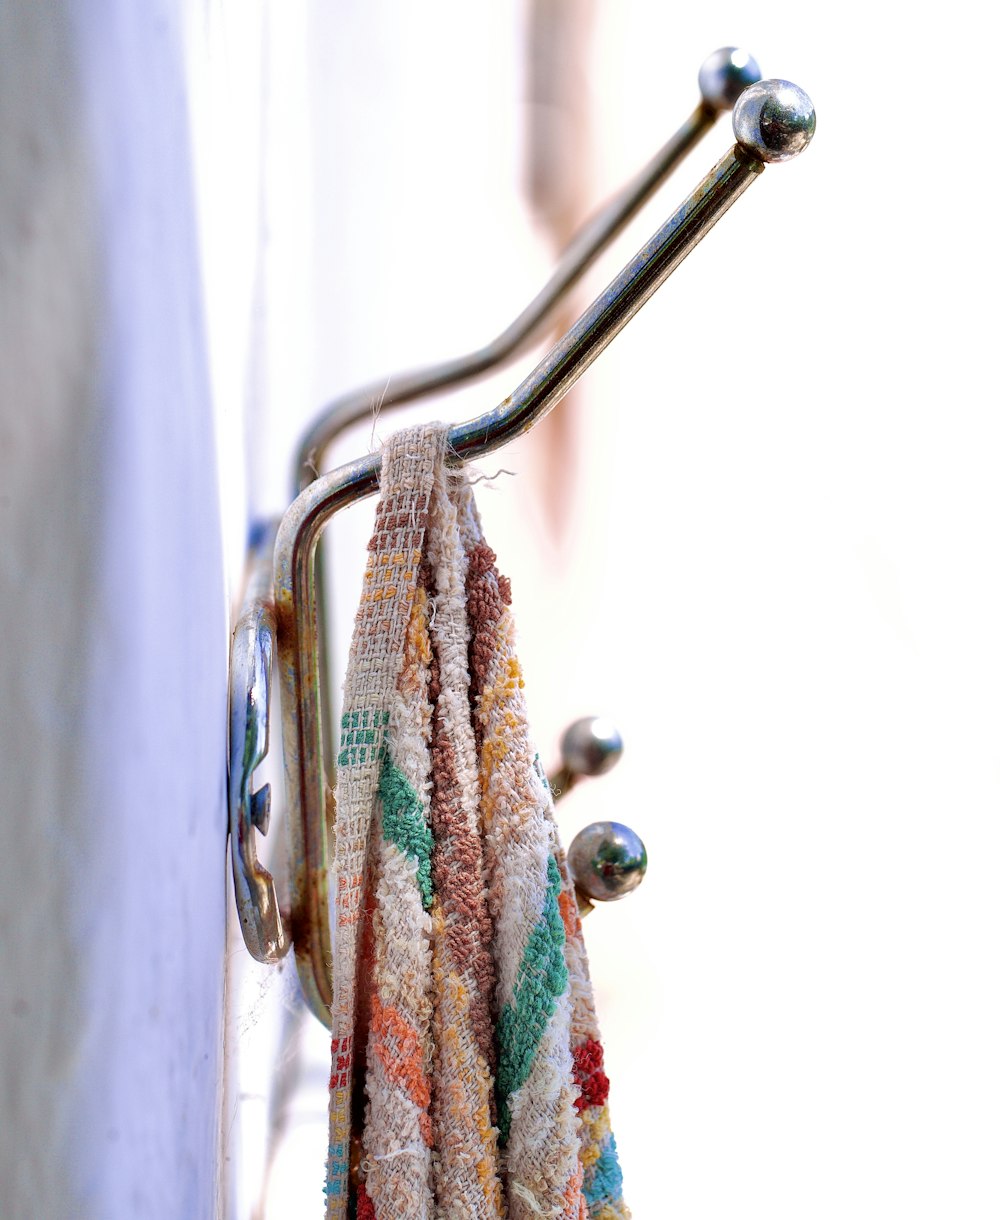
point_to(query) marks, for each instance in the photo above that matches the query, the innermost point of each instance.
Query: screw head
(724, 76)
(591, 746)
(774, 120)
(260, 808)
(607, 861)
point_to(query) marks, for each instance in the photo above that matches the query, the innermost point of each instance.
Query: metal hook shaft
(774, 123)
(249, 729)
(722, 78)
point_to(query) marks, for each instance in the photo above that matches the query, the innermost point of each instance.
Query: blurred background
(761, 535)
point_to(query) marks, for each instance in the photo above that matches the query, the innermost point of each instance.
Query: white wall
(114, 630)
(782, 580)
(781, 577)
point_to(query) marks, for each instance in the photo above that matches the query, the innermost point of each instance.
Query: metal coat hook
(772, 121)
(721, 80)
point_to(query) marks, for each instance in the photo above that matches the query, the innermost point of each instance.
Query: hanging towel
(461, 994)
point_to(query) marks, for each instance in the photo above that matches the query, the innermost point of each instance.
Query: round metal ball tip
(724, 76)
(607, 861)
(774, 120)
(591, 746)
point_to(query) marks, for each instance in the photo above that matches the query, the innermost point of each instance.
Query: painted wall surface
(774, 566)
(779, 574)
(114, 629)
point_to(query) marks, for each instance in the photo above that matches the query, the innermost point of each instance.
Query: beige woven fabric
(482, 1071)
(388, 604)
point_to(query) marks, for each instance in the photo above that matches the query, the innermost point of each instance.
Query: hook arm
(773, 120)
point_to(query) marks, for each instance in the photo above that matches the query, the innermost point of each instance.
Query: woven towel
(460, 974)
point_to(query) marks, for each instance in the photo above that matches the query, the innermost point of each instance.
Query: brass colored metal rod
(295, 548)
(722, 78)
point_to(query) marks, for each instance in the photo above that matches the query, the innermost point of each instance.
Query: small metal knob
(774, 120)
(260, 808)
(724, 76)
(590, 746)
(607, 861)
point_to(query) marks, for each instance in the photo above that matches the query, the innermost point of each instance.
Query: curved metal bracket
(249, 733)
(722, 78)
(773, 121)
(308, 780)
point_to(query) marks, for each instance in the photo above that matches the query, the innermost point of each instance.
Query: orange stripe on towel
(397, 1046)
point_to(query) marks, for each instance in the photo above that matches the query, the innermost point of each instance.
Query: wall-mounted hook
(780, 123)
(723, 76)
